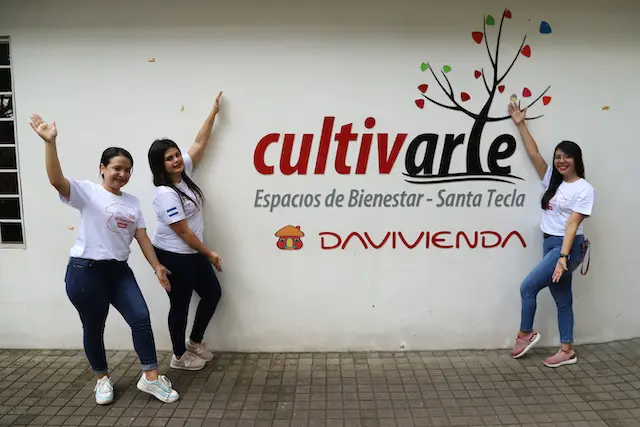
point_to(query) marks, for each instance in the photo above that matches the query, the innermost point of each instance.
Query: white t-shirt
(170, 209)
(577, 196)
(108, 222)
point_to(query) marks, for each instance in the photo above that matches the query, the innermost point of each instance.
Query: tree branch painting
(493, 84)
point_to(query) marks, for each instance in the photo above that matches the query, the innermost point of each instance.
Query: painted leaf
(477, 36)
(423, 87)
(501, 88)
(446, 68)
(420, 103)
(490, 20)
(546, 100)
(526, 92)
(545, 28)
(526, 51)
(465, 96)
(424, 67)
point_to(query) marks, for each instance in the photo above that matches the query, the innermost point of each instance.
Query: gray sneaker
(188, 361)
(200, 349)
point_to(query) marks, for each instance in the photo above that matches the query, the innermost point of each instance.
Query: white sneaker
(200, 349)
(104, 391)
(161, 388)
(189, 362)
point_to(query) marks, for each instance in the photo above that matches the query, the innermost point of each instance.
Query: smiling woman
(97, 274)
(567, 201)
(179, 243)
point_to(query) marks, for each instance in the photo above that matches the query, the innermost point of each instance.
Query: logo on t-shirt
(172, 212)
(123, 218)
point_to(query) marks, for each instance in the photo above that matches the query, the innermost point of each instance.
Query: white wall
(283, 68)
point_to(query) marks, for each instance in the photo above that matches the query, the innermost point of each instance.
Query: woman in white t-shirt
(97, 274)
(178, 241)
(568, 199)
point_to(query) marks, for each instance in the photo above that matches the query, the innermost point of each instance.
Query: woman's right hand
(516, 113)
(215, 259)
(47, 132)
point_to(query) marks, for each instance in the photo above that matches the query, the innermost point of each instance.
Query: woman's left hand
(561, 267)
(162, 273)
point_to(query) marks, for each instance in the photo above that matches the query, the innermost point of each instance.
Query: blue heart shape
(545, 28)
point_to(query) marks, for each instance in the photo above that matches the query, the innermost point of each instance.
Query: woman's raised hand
(48, 132)
(216, 104)
(516, 113)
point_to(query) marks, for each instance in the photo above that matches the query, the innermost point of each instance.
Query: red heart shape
(477, 74)
(465, 96)
(423, 87)
(420, 103)
(477, 36)
(507, 14)
(501, 88)
(526, 92)
(526, 51)
(546, 100)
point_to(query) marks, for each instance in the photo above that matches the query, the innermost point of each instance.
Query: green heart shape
(490, 20)
(446, 68)
(424, 67)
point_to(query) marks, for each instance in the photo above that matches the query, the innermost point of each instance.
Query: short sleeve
(583, 201)
(188, 164)
(168, 207)
(80, 193)
(141, 221)
(546, 180)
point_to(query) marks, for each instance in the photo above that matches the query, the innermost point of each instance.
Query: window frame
(7, 40)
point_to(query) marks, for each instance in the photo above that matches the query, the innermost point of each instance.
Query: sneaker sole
(566, 362)
(529, 347)
(104, 402)
(162, 399)
(186, 368)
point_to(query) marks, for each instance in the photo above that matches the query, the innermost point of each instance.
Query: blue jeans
(540, 277)
(92, 286)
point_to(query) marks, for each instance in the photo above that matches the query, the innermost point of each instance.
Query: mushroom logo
(289, 238)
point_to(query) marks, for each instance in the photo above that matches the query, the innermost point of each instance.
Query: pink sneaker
(561, 358)
(524, 344)
(199, 349)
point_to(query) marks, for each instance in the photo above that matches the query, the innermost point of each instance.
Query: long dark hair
(160, 175)
(572, 150)
(112, 152)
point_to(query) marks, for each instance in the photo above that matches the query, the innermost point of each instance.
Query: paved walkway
(453, 388)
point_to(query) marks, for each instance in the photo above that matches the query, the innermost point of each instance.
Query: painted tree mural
(492, 83)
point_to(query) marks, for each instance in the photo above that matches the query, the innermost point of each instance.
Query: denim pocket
(576, 254)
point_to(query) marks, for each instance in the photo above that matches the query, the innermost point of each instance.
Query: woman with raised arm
(178, 241)
(97, 273)
(568, 199)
